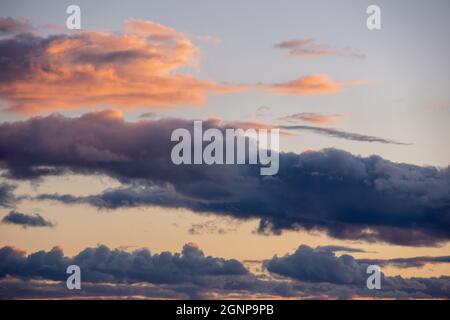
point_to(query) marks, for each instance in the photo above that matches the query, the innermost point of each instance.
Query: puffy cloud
(310, 48)
(313, 117)
(315, 265)
(191, 275)
(102, 264)
(91, 68)
(311, 85)
(26, 220)
(11, 25)
(307, 264)
(347, 196)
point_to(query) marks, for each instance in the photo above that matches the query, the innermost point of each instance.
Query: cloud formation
(26, 220)
(346, 196)
(310, 48)
(192, 275)
(92, 68)
(102, 264)
(307, 264)
(311, 85)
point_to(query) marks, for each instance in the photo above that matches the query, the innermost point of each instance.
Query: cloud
(312, 117)
(307, 273)
(341, 249)
(214, 227)
(102, 264)
(307, 264)
(346, 196)
(7, 198)
(26, 220)
(148, 115)
(342, 134)
(11, 26)
(311, 85)
(95, 68)
(310, 48)
(413, 262)
(315, 265)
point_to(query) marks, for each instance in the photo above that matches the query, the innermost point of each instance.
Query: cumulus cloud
(91, 68)
(307, 264)
(102, 264)
(311, 48)
(311, 85)
(26, 220)
(315, 265)
(312, 117)
(347, 196)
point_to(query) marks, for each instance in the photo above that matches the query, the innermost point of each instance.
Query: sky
(86, 175)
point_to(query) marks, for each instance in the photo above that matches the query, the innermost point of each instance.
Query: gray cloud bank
(307, 273)
(346, 196)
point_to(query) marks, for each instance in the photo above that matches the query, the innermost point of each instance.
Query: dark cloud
(308, 273)
(11, 25)
(307, 264)
(315, 265)
(341, 249)
(342, 134)
(102, 264)
(26, 220)
(347, 196)
(413, 262)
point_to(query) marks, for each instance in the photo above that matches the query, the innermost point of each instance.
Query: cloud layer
(307, 273)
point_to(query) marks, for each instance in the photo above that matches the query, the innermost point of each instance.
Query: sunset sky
(86, 177)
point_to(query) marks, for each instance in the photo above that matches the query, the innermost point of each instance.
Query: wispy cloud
(312, 117)
(342, 134)
(311, 48)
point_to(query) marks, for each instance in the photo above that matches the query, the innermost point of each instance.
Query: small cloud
(310, 48)
(26, 220)
(148, 115)
(311, 85)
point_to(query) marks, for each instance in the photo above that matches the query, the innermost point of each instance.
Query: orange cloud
(92, 68)
(311, 85)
